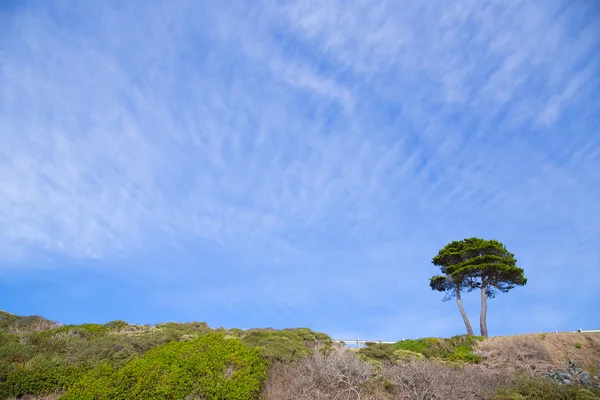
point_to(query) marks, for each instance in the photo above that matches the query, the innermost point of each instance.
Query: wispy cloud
(315, 139)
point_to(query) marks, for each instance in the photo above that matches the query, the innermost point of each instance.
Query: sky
(298, 163)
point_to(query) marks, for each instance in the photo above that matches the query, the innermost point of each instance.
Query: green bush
(284, 345)
(43, 362)
(406, 355)
(116, 325)
(10, 323)
(539, 388)
(209, 366)
(39, 379)
(39, 361)
(14, 352)
(185, 328)
(87, 331)
(457, 348)
(378, 351)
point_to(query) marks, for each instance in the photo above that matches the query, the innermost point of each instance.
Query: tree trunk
(482, 317)
(463, 313)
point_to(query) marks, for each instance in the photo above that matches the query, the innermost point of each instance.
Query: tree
(452, 288)
(481, 264)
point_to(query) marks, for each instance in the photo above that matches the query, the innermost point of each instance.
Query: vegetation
(192, 361)
(536, 388)
(284, 345)
(456, 349)
(208, 367)
(475, 263)
(10, 323)
(39, 357)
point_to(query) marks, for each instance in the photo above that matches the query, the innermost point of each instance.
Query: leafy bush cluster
(536, 388)
(11, 323)
(208, 367)
(118, 360)
(284, 345)
(37, 361)
(457, 348)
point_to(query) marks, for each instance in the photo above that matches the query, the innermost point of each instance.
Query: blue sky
(297, 163)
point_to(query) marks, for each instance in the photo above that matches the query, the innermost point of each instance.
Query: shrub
(332, 374)
(116, 325)
(13, 351)
(284, 345)
(87, 331)
(209, 367)
(340, 374)
(578, 345)
(457, 348)
(528, 387)
(11, 323)
(39, 379)
(378, 351)
(406, 355)
(185, 328)
(427, 379)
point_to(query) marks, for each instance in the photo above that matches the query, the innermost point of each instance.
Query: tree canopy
(475, 263)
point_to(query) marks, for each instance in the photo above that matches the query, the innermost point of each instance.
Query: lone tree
(475, 263)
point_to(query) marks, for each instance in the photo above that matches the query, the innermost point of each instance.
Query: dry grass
(341, 374)
(515, 353)
(336, 374)
(540, 352)
(430, 380)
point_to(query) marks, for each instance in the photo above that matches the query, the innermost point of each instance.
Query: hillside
(42, 360)
(543, 351)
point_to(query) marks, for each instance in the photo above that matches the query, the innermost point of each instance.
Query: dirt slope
(542, 351)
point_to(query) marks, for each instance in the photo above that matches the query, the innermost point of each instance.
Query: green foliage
(185, 328)
(457, 348)
(116, 325)
(543, 335)
(6, 320)
(478, 262)
(406, 355)
(376, 364)
(578, 345)
(378, 351)
(43, 362)
(475, 263)
(42, 377)
(10, 323)
(87, 331)
(538, 388)
(236, 332)
(39, 361)
(284, 345)
(210, 366)
(448, 284)
(429, 347)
